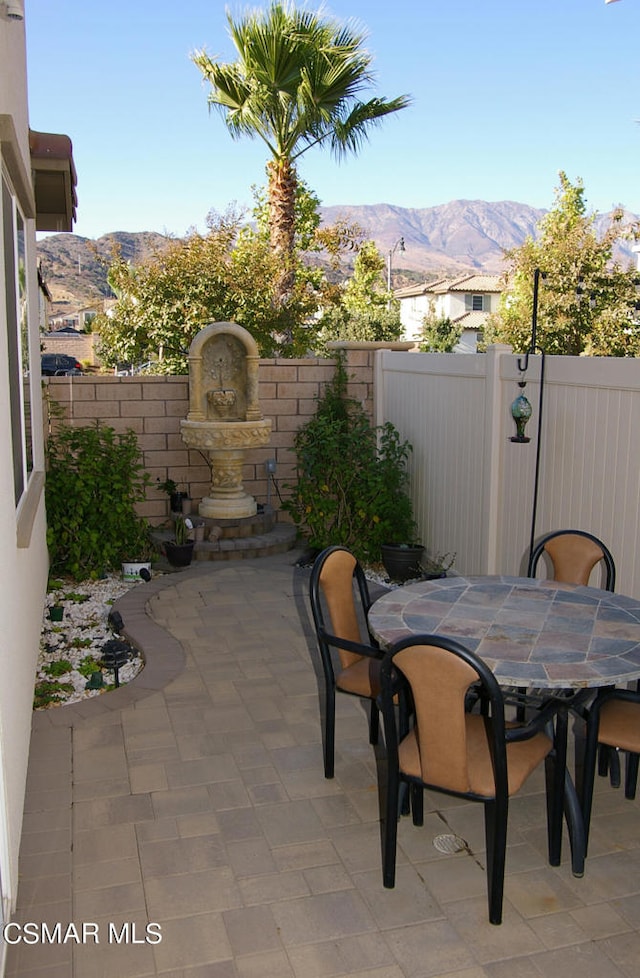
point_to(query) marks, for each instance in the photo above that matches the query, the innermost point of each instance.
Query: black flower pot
(402, 560)
(179, 554)
(175, 501)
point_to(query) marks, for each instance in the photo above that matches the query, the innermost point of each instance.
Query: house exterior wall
(23, 561)
(414, 308)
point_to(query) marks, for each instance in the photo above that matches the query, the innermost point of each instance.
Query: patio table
(531, 633)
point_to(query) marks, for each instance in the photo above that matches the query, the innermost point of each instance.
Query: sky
(506, 93)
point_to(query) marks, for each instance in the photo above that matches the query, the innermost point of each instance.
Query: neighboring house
(466, 300)
(38, 193)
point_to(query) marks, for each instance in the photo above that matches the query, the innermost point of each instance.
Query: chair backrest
(333, 575)
(574, 554)
(440, 672)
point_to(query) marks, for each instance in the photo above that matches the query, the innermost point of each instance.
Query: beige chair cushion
(336, 581)
(449, 747)
(574, 557)
(620, 725)
(361, 678)
(522, 758)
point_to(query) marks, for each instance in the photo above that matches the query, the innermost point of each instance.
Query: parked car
(59, 365)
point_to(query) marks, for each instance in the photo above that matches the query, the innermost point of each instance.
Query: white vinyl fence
(473, 488)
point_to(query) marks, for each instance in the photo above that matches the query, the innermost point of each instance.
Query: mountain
(463, 235)
(75, 268)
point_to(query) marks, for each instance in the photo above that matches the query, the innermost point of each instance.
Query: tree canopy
(296, 84)
(224, 275)
(587, 303)
(228, 274)
(363, 310)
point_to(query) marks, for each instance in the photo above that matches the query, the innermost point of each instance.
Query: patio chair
(574, 554)
(469, 755)
(339, 603)
(613, 722)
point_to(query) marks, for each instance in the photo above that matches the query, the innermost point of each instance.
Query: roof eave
(54, 181)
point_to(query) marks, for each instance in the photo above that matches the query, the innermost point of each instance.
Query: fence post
(494, 438)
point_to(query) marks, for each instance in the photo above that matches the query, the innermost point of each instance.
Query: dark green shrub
(352, 478)
(94, 480)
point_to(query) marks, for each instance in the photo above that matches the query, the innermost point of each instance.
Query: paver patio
(195, 799)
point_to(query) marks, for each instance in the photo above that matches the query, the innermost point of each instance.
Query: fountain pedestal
(225, 444)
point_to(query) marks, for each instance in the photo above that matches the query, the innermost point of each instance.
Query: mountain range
(449, 239)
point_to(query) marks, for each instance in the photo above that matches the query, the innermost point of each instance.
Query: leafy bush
(351, 487)
(94, 480)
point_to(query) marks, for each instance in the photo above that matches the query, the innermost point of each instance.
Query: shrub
(94, 480)
(351, 478)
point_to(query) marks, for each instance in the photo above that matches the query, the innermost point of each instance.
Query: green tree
(364, 310)
(296, 84)
(226, 274)
(439, 334)
(586, 304)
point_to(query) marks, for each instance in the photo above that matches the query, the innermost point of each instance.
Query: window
(15, 269)
(477, 303)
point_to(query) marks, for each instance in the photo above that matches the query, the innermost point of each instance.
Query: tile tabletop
(528, 631)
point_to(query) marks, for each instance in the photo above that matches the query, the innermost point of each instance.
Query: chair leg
(631, 776)
(390, 830)
(495, 827)
(609, 763)
(417, 804)
(555, 769)
(588, 779)
(374, 723)
(329, 731)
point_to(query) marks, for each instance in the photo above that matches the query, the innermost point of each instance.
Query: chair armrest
(372, 651)
(540, 722)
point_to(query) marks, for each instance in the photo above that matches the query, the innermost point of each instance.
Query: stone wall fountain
(224, 419)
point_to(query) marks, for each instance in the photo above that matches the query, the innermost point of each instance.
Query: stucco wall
(153, 407)
(24, 561)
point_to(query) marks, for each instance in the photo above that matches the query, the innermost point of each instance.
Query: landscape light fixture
(15, 9)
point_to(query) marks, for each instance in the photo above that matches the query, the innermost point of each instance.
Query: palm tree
(295, 84)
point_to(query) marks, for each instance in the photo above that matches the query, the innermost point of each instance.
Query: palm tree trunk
(283, 182)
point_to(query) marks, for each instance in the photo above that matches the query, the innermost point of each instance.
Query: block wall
(154, 406)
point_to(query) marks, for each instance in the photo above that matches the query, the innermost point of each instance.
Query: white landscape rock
(83, 631)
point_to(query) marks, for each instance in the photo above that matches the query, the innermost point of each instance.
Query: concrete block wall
(81, 346)
(154, 406)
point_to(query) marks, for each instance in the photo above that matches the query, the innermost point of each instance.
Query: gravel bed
(81, 634)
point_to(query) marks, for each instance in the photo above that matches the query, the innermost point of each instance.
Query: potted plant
(437, 566)
(179, 551)
(402, 561)
(174, 493)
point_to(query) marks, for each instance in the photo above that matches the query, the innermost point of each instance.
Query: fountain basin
(217, 435)
(225, 443)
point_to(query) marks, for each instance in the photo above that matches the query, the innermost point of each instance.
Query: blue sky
(506, 93)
